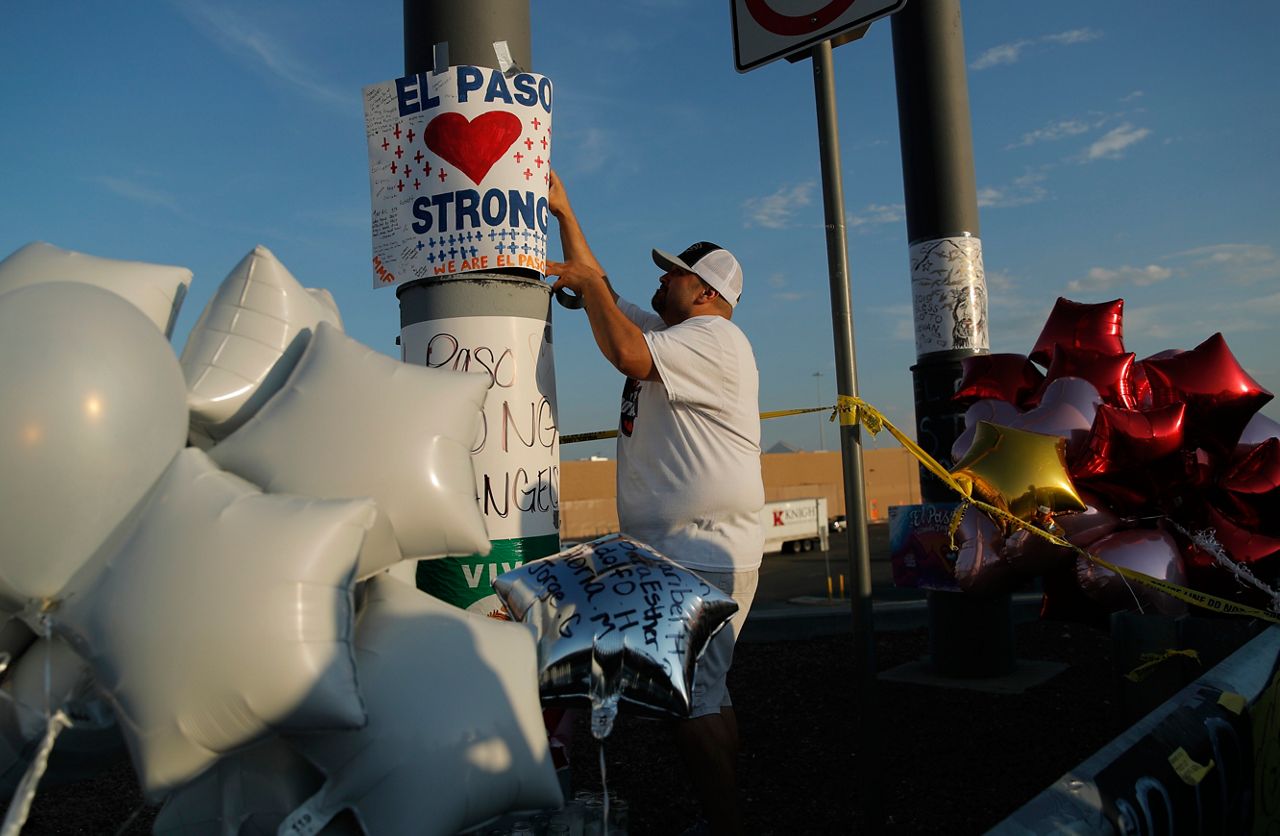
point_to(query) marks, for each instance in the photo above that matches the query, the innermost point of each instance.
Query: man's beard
(659, 301)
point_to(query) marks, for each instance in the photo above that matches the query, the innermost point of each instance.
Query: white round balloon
(94, 410)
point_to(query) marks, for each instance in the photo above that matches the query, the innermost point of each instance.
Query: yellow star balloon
(1018, 471)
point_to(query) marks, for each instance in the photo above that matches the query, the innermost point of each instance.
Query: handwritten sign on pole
(459, 165)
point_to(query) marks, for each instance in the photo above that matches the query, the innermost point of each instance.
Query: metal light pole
(450, 320)
(969, 635)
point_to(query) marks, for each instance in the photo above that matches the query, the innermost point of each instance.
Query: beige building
(588, 496)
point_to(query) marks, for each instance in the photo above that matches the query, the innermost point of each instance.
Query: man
(689, 480)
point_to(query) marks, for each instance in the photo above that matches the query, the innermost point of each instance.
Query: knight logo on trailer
(459, 165)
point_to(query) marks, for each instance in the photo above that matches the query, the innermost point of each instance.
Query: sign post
(765, 30)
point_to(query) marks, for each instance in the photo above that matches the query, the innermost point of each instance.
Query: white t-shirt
(689, 480)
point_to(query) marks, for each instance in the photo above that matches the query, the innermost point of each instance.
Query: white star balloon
(616, 623)
(155, 289)
(353, 422)
(248, 794)
(247, 340)
(223, 615)
(455, 734)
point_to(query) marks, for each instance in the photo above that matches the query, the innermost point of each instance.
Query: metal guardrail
(1205, 761)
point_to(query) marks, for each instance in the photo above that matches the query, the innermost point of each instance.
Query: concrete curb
(792, 622)
(1139, 783)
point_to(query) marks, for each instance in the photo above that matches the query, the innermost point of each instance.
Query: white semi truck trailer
(795, 525)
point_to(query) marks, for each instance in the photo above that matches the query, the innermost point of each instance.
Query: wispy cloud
(1008, 53)
(1029, 188)
(1012, 52)
(263, 51)
(1073, 36)
(1112, 144)
(776, 210)
(137, 192)
(1240, 264)
(1134, 96)
(1105, 278)
(877, 213)
(592, 149)
(1053, 131)
(778, 282)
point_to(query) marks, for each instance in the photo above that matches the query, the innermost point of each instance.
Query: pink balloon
(1258, 430)
(1148, 551)
(980, 566)
(1075, 391)
(1085, 527)
(1066, 409)
(989, 409)
(1031, 555)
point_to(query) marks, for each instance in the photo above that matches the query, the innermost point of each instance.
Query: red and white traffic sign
(765, 30)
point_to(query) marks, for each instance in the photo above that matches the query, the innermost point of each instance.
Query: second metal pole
(868, 757)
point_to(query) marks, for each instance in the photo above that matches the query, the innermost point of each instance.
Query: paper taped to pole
(459, 166)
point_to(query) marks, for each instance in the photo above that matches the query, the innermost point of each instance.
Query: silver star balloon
(616, 623)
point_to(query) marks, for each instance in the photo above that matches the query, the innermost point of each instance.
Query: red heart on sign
(472, 145)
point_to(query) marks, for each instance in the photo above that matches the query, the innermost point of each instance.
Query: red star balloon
(1252, 486)
(1097, 327)
(1123, 438)
(1109, 373)
(1007, 377)
(1221, 397)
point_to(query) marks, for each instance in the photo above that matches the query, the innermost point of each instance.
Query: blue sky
(1119, 152)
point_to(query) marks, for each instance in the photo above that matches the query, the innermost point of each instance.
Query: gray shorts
(710, 693)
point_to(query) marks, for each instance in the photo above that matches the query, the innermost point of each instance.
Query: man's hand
(557, 199)
(584, 279)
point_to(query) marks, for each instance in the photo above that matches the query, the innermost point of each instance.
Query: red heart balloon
(472, 145)
(1007, 377)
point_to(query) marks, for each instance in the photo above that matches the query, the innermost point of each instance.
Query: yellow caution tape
(1188, 770)
(852, 410)
(1235, 703)
(1151, 661)
(764, 416)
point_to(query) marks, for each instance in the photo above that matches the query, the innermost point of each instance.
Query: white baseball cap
(710, 262)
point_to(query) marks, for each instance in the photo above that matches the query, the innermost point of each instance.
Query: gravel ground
(953, 761)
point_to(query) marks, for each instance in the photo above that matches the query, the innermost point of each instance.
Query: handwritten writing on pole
(459, 166)
(516, 450)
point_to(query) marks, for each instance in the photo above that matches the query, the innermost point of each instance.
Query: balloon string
(874, 421)
(20, 805)
(604, 791)
(120, 831)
